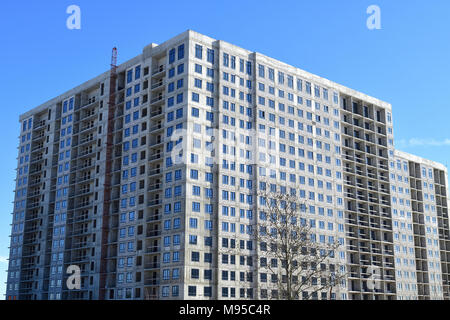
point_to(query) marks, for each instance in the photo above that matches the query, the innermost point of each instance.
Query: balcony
(154, 217)
(348, 182)
(158, 70)
(85, 153)
(155, 144)
(84, 141)
(151, 282)
(84, 204)
(38, 137)
(153, 233)
(86, 128)
(157, 85)
(363, 223)
(154, 172)
(153, 249)
(155, 157)
(350, 195)
(88, 115)
(33, 205)
(156, 128)
(155, 187)
(39, 124)
(363, 236)
(364, 262)
(152, 265)
(37, 159)
(157, 100)
(376, 250)
(34, 182)
(37, 148)
(81, 192)
(82, 179)
(360, 185)
(34, 194)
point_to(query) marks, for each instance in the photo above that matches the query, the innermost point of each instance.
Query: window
(192, 291)
(249, 68)
(179, 83)
(317, 91)
(196, 190)
(198, 52)
(192, 239)
(195, 208)
(176, 256)
(129, 78)
(225, 59)
(308, 87)
(195, 257)
(290, 81)
(180, 68)
(210, 55)
(280, 77)
(261, 71)
(198, 69)
(137, 72)
(181, 52)
(179, 113)
(171, 55)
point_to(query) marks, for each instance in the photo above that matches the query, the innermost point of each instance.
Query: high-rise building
(155, 195)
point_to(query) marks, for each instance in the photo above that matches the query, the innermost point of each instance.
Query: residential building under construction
(141, 175)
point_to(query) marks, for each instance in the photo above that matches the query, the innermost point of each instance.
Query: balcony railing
(157, 70)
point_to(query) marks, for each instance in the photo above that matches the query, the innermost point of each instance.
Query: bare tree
(299, 266)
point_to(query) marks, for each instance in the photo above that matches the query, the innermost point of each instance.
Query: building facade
(195, 128)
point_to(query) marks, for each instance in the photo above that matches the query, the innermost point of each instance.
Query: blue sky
(405, 63)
